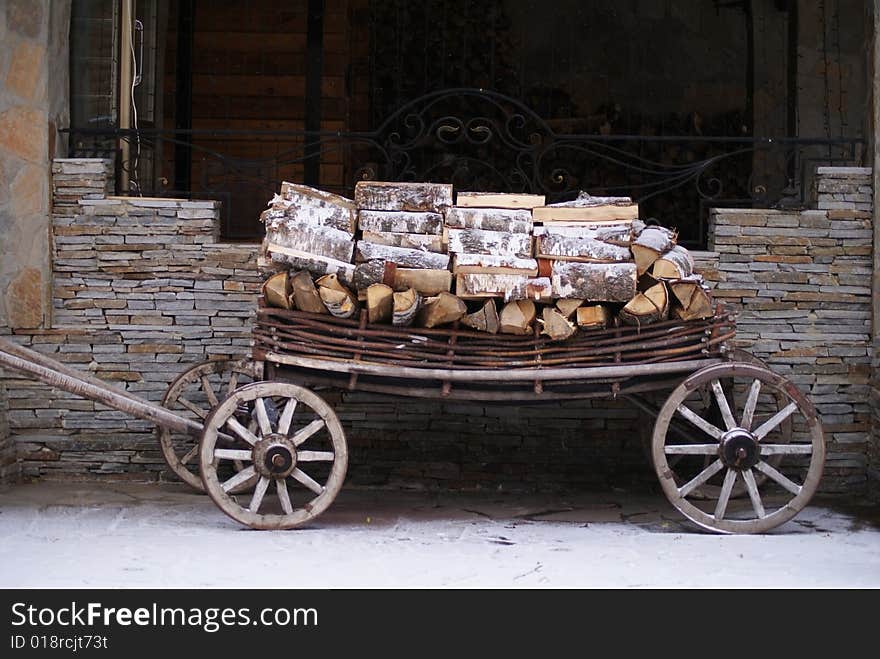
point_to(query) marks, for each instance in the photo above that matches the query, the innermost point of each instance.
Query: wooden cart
(736, 447)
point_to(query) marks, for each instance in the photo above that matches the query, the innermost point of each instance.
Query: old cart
(736, 447)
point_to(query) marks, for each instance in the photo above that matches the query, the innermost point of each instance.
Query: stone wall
(802, 280)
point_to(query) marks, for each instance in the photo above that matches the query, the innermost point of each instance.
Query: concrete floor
(100, 535)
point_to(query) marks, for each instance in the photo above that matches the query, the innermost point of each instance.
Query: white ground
(90, 535)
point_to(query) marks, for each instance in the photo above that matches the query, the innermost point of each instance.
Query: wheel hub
(274, 456)
(739, 449)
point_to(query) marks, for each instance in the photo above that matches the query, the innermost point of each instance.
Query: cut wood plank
(317, 265)
(440, 310)
(320, 241)
(594, 316)
(407, 240)
(677, 263)
(585, 250)
(498, 200)
(305, 295)
(400, 222)
(380, 303)
(647, 307)
(390, 196)
(555, 325)
(276, 290)
(567, 306)
(517, 317)
(587, 209)
(615, 232)
(338, 299)
(485, 319)
(489, 219)
(406, 306)
(478, 241)
(695, 301)
(407, 258)
(494, 264)
(594, 282)
(508, 287)
(649, 245)
(314, 206)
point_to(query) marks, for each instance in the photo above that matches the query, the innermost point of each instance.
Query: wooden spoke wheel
(296, 451)
(748, 442)
(194, 393)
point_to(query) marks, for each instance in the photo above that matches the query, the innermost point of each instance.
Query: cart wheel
(297, 445)
(739, 448)
(194, 393)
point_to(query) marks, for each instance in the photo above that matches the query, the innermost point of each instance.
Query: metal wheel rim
(192, 375)
(667, 477)
(224, 500)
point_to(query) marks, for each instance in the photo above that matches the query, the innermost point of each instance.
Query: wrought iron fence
(482, 140)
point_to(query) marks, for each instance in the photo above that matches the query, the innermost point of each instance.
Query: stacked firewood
(492, 262)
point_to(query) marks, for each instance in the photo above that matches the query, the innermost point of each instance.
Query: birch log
(595, 316)
(489, 219)
(380, 303)
(317, 265)
(317, 241)
(305, 295)
(418, 241)
(517, 317)
(508, 287)
(677, 263)
(647, 307)
(695, 302)
(616, 232)
(389, 196)
(498, 200)
(338, 299)
(594, 282)
(585, 250)
(276, 290)
(316, 207)
(400, 222)
(494, 264)
(555, 325)
(406, 306)
(427, 282)
(567, 306)
(407, 258)
(440, 310)
(478, 241)
(649, 245)
(485, 319)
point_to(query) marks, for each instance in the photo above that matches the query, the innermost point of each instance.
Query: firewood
(400, 222)
(276, 290)
(489, 219)
(442, 309)
(406, 306)
(425, 282)
(567, 306)
(492, 264)
(576, 248)
(317, 265)
(317, 207)
(594, 316)
(478, 241)
(693, 298)
(338, 299)
(367, 273)
(594, 282)
(555, 325)
(380, 303)
(407, 258)
(647, 307)
(517, 317)
(407, 240)
(508, 287)
(677, 263)
(485, 319)
(587, 208)
(498, 200)
(650, 244)
(317, 240)
(615, 232)
(389, 196)
(305, 295)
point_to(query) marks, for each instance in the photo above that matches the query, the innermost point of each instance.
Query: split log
(492, 264)
(498, 200)
(587, 208)
(615, 232)
(581, 249)
(380, 303)
(338, 299)
(440, 310)
(389, 196)
(418, 241)
(647, 307)
(508, 287)
(517, 317)
(478, 241)
(567, 306)
(677, 263)
(368, 273)
(400, 222)
(407, 258)
(406, 306)
(305, 295)
(484, 320)
(595, 316)
(555, 325)
(316, 207)
(427, 282)
(594, 282)
(317, 265)
(276, 290)
(319, 241)
(489, 219)
(692, 296)
(650, 244)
